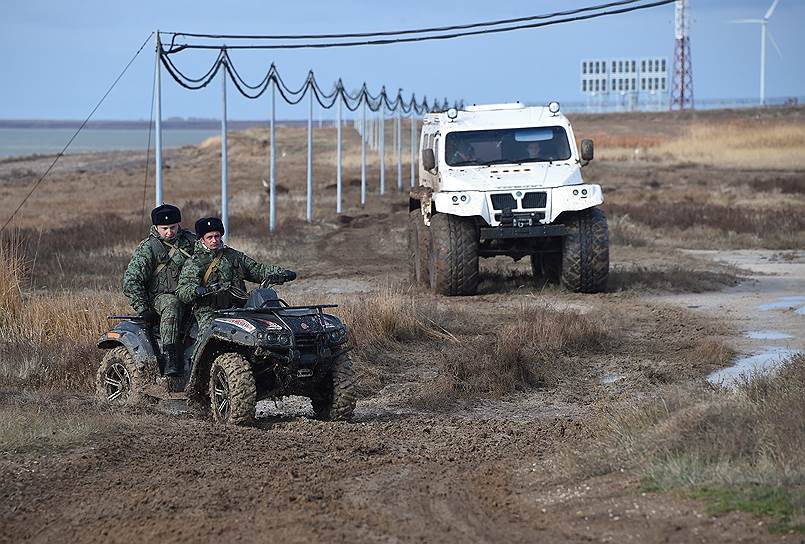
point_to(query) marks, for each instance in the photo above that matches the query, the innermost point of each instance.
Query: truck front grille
(535, 200)
(502, 201)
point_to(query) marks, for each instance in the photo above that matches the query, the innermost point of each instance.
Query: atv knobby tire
(453, 263)
(335, 399)
(585, 252)
(418, 242)
(118, 380)
(233, 394)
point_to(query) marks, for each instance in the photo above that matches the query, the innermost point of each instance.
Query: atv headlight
(272, 338)
(284, 339)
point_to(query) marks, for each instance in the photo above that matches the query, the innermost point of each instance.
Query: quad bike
(265, 349)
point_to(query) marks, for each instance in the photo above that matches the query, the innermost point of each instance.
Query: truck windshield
(510, 145)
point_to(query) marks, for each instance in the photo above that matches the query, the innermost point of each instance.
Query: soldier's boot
(173, 364)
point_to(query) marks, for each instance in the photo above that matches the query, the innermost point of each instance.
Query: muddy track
(387, 479)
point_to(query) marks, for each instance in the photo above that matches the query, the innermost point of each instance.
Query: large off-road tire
(547, 266)
(585, 252)
(335, 399)
(418, 242)
(453, 263)
(118, 380)
(233, 394)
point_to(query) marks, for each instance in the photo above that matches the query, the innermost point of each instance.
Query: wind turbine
(763, 22)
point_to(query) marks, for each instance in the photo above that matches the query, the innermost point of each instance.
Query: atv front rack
(313, 308)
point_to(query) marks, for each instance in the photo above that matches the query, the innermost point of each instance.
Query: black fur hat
(209, 224)
(166, 214)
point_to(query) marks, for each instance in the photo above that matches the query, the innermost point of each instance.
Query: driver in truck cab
(214, 263)
(461, 153)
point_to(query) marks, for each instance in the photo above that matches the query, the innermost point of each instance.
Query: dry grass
(674, 279)
(743, 439)
(30, 421)
(12, 272)
(707, 224)
(741, 143)
(540, 346)
(48, 339)
(787, 185)
(390, 317)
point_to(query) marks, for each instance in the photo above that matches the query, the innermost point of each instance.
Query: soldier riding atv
(265, 349)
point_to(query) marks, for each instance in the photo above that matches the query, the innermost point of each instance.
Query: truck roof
(492, 116)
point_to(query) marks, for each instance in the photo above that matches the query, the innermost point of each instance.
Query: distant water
(46, 141)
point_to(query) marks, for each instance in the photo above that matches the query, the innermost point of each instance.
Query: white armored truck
(505, 179)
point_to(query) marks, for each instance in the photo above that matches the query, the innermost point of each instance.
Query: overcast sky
(61, 56)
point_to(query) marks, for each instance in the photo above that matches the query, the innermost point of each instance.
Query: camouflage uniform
(148, 288)
(233, 268)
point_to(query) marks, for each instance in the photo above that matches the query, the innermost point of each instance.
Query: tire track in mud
(408, 478)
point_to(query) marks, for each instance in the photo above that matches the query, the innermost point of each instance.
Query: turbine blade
(774, 43)
(771, 9)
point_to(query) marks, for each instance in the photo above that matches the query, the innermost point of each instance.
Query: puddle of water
(286, 406)
(767, 335)
(612, 378)
(768, 359)
(785, 302)
(173, 407)
(800, 311)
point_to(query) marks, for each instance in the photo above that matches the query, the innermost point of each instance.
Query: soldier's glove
(149, 316)
(201, 292)
(288, 275)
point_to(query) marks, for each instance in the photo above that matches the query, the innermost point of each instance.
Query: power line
(403, 32)
(177, 48)
(148, 149)
(70, 141)
(294, 96)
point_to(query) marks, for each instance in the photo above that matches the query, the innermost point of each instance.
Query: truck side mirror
(428, 159)
(587, 152)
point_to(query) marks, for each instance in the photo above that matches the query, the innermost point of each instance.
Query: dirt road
(473, 472)
(413, 466)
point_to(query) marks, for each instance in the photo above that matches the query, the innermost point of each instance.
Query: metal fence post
(413, 148)
(382, 128)
(338, 172)
(158, 128)
(224, 156)
(398, 150)
(272, 164)
(363, 151)
(309, 211)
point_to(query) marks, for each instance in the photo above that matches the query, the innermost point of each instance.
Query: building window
(663, 65)
(604, 85)
(663, 83)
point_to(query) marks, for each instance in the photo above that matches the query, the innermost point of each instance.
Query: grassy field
(618, 377)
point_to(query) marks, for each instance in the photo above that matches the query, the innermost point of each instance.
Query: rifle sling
(211, 268)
